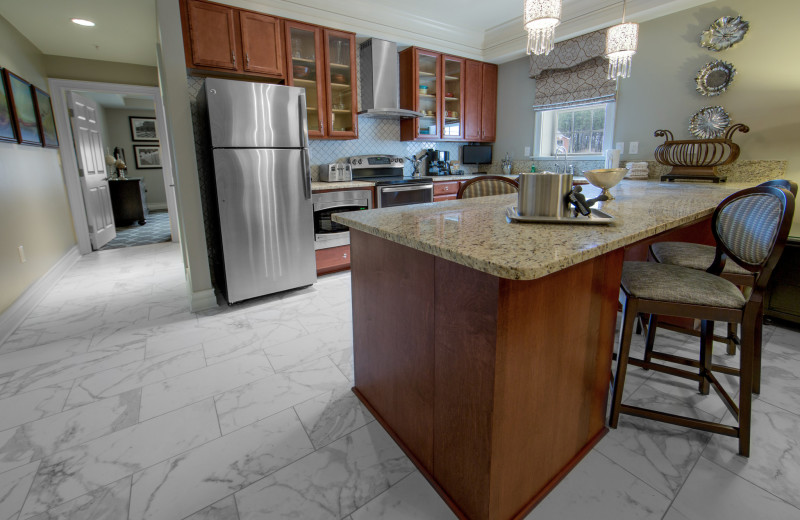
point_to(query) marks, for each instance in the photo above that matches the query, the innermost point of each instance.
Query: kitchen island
(484, 346)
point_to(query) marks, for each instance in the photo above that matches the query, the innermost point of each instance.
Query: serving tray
(596, 218)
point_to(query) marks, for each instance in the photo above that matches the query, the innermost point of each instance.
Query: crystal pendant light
(540, 20)
(621, 42)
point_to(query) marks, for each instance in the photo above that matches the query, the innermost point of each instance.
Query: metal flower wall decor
(724, 32)
(714, 78)
(709, 122)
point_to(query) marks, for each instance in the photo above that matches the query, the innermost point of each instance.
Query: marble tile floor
(117, 403)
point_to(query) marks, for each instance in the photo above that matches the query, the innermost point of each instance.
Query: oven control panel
(376, 161)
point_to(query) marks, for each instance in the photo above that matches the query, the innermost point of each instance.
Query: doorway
(134, 151)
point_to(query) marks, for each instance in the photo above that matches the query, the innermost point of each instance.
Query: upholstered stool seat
(676, 284)
(696, 256)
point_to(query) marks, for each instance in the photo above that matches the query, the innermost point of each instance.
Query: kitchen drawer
(333, 259)
(449, 196)
(445, 188)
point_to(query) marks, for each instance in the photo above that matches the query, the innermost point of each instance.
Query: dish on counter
(596, 218)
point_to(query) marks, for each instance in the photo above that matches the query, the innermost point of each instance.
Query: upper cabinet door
(452, 116)
(306, 69)
(489, 108)
(212, 35)
(473, 100)
(261, 43)
(340, 55)
(429, 87)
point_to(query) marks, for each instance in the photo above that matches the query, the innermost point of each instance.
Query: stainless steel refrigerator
(261, 166)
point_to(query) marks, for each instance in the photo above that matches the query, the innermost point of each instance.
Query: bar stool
(487, 185)
(700, 256)
(750, 228)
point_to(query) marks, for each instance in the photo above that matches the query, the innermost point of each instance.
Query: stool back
(487, 185)
(751, 227)
(782, 183)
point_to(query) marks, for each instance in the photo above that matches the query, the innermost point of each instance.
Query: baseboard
(156, 206)
(16, 313)
(203, 300)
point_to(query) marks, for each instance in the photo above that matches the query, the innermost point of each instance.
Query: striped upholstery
(676, 284)
(696, 256)
(748, 226)
(483, 187)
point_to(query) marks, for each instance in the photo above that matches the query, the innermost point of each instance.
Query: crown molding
(499, 44)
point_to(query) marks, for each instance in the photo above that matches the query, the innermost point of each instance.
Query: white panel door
(92, 169)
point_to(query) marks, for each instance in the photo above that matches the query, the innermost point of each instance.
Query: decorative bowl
(605, 178)
(339, 78)
(300, 71)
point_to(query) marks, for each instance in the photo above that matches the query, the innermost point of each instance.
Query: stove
(392, 188)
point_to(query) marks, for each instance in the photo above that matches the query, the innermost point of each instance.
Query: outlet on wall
(21, 251)
(527, 151)
(633, 147)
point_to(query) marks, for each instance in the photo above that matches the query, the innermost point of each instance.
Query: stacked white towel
(636, 170)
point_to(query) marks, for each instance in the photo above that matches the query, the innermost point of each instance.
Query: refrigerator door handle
(306, 173)
(301, 101)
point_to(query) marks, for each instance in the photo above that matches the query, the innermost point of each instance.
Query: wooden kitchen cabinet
(322, 61)
(220, 38)
(458, 97)
(480, 98)
(447, 190)
(333, 259)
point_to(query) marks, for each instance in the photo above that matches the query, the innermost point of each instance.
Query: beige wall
(63, 67)
(515, 119)
(119, 134)
(34, 211)
(765, 93)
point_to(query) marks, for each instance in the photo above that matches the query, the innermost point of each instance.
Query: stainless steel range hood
(380, 83)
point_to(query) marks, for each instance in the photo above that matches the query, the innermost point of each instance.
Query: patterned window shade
(573, 74)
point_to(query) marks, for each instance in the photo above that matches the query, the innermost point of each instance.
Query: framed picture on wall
(8, 131)
(20, 98)
(143, 128)
(47, 122)
(147, 156)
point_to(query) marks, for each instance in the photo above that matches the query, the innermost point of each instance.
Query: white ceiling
(112, 100)
(490, 30)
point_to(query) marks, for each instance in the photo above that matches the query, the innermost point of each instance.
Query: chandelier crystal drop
(541, 18)
(621, 43)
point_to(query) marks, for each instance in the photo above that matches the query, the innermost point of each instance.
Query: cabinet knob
(344, 255)
(233, 55)
(247, 58)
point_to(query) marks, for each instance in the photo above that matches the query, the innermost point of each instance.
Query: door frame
(69, 162)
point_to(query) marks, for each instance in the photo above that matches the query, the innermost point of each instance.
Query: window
(584, 130)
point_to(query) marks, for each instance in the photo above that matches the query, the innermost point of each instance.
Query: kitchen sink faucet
(563, 150)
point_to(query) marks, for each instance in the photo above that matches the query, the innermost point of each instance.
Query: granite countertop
(475, 232)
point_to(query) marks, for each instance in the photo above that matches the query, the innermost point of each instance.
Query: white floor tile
(74, 472)
(331, 415)
(108, 502)
(192, 387)
(410, 499)
(199, 477)
(248, 403)
(33, 405)
(599, 489)
(225, 509)
(714, 493)
(331, 482)
(14, 486)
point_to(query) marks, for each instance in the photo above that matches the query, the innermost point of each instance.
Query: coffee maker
(438, 162)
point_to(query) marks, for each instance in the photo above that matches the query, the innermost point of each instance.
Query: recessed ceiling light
(81, 21)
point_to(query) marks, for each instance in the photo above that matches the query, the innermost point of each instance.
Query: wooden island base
(495, 388)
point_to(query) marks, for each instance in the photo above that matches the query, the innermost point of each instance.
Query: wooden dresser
(128, 201)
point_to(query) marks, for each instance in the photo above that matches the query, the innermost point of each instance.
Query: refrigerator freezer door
(266, 221)
(243, 114)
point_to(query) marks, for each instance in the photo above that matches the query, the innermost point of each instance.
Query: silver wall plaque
(724, 33)
(714, 78)
(709, 123)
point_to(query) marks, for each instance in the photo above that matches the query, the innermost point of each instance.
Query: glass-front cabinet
(307, 70)
(433, 84)
(452, 98)
(322, 62)
(341, 55)
(429, 74)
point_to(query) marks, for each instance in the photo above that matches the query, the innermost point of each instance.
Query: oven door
(328, 233)
(403, 195)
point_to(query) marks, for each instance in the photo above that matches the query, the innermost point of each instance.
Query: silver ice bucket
(544, 194)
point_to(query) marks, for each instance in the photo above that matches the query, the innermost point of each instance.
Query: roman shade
(573, 74)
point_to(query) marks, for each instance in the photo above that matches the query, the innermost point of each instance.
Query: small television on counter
(476, 154)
